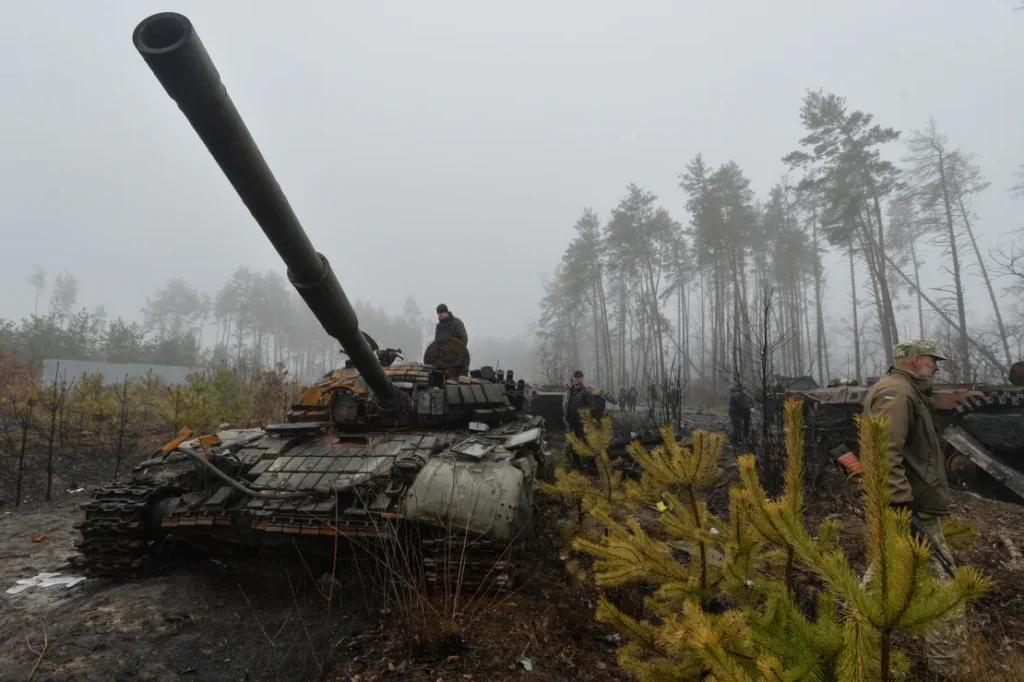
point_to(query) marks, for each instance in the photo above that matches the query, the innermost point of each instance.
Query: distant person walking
(577, 397)
(674, 400)
(740, 407)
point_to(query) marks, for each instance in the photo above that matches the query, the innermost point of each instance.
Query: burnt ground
(263, 618)
(248, 620)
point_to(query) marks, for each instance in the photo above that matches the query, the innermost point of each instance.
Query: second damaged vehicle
(411, 455)
(982, 424)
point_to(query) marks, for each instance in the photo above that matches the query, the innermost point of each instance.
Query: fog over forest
(634, 189)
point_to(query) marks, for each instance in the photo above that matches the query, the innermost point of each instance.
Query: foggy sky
(445, 149)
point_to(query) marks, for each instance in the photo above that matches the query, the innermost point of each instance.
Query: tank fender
(484, 498)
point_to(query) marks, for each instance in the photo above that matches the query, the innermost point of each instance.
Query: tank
(423, 455)
(979, 423)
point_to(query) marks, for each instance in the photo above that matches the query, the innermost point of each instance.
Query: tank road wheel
(119, 532)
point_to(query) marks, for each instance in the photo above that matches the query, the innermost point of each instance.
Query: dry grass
(986, 660)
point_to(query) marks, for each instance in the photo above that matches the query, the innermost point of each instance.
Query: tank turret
(171, 47)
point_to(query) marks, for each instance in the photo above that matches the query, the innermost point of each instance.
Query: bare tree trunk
(958, 287)
(981, 349)
(53, 406)
(871, 260)
(736, 359)
(856, 330)
(988, 281)
(748, 343)
(121, 424)
(917, 280)
(21, 465)
(23, 418)
(659, 336)
(821, 350)
(597, 338)
(807, 322)
(622, 320)
(722, 305)
(703, 326)
(607, 327)
(686, 335)
(892, 336)
(796, 342)
(716, 304)
(679, 318)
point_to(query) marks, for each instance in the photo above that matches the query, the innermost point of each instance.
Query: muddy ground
(199, 620)
(259, 618)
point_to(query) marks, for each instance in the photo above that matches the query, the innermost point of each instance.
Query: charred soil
(267, 618)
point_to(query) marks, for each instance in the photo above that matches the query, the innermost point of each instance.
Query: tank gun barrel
(172, 49)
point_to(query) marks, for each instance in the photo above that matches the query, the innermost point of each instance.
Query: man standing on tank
(449, 326)
(917, 474)
(576, 398)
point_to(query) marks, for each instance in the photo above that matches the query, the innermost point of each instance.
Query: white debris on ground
(45, 580)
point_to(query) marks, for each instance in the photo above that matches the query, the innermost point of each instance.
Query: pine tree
(726, 604)
(585, 499)
(901, 594)
(781, 522)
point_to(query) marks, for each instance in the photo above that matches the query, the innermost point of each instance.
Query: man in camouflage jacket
(917, 474)
(917, 478)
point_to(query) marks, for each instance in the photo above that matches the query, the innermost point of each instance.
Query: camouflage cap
(908, 349)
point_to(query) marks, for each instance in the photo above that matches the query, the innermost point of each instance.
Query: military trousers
(944, 646)
(576, 427)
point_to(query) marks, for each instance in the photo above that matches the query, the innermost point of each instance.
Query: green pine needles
(725, 601)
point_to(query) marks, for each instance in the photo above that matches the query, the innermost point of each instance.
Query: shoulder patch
(889, 395)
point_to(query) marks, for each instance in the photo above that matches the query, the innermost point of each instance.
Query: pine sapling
(580, 493)
(781, 522)
(898, 593)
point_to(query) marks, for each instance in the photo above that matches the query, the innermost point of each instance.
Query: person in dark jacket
(740, 406)
(674, 402)
(449, 326)
(576, 398)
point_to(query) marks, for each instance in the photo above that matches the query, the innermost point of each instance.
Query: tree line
(254, 322)
(738, 293)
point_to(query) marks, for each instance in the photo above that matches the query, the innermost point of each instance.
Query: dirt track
(204, 621)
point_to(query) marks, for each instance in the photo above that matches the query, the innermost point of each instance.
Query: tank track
(116, 532)
(450, 565)
(1001, 398)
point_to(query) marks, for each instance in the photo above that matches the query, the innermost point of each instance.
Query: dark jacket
(917, 474)
(739, 403)
(451, 327)
(575, 399)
